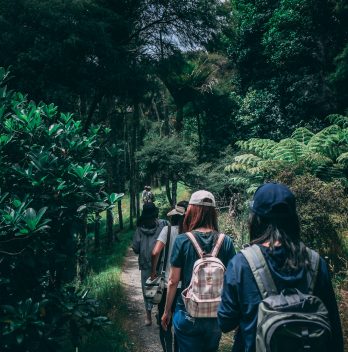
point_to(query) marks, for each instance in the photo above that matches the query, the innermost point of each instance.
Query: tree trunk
(97, 231)
(96, 100)
(199, 130)
(120, 215)
(109, 226)
(174, 192)
(165, 99)
(82, 250)
(133, 165)
(169, 196)
(179, 118)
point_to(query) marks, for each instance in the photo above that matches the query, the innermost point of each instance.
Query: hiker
(283, 264)
(145, 236)
(176, 226)
(147, 196)
(196, 334)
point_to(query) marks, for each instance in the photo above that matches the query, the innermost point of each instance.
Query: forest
(99, 98)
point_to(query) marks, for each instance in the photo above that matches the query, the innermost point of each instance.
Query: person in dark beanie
(280, 263)
(144, 239)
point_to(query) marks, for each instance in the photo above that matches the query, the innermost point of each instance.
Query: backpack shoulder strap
(312, 274)
(166, 249)
(218, 244)
(260, 270)
(198, 248)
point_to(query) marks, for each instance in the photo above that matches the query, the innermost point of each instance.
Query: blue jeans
(196, 334)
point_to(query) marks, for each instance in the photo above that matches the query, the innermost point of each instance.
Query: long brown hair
(200, 216)
(283, 228)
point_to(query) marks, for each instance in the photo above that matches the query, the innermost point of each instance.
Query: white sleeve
(163, 235)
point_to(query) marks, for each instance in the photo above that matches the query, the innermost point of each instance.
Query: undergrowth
(104, 283)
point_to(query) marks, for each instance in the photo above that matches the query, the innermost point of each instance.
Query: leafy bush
(49, 186)
(323, 209)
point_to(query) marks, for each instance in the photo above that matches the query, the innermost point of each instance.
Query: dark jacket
(241, 297)
(143, 242)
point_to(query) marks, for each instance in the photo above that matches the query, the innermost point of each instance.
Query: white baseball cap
(177, 211)
(198, 197)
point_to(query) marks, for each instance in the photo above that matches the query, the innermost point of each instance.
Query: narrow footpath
(145, 338)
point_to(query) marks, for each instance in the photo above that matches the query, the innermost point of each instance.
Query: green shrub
(323, 209)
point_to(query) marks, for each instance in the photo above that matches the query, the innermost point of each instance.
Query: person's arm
(325, 291)
(174, 278)
(136, 242)
(229, 313)
(154, 257)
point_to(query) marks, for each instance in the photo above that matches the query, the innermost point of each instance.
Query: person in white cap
(195, 334)
(176, 216)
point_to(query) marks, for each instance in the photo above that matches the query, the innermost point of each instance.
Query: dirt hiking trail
(146, 338)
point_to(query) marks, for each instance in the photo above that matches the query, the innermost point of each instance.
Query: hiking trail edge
(145, 338)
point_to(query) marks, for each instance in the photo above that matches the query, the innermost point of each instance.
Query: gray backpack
(289, 321)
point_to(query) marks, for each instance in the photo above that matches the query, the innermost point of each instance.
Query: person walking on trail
(198, 334)
(145, 236)
(270, 282)
(147, 196)
(165, 242)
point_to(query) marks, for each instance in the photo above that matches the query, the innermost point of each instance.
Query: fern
(302, 135)
(236, 167)
(248, 159)
(338, 120)
(239, 181)
(261, 147)
(289, 150)
(343, 159)
(324, 154)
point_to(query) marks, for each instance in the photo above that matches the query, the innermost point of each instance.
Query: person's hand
(166, 320)
(153, 276)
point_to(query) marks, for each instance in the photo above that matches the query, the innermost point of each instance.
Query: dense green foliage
(323, 154)
(49, 185)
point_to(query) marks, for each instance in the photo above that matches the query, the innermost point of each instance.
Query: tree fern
(338, 120)
(289, 150)
(302, 135)
(261, 147)
(324, 154)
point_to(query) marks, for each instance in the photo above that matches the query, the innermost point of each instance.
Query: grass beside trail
(104, 282)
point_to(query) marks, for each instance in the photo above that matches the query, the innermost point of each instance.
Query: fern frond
(339, 120)
(330, 172)
(236, 167)
(343, 158)
(302, 135)
(289, 150)
(312, 158)
(325, 141)
(252, 189)
(258, 146)
(248, 159)
(255, 171)
(239, 181)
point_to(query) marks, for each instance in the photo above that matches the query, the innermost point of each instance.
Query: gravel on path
(145, 338)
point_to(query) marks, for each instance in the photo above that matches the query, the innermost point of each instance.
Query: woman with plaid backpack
(196, 253)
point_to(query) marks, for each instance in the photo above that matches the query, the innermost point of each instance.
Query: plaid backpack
(289, 321)
(203, 295)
